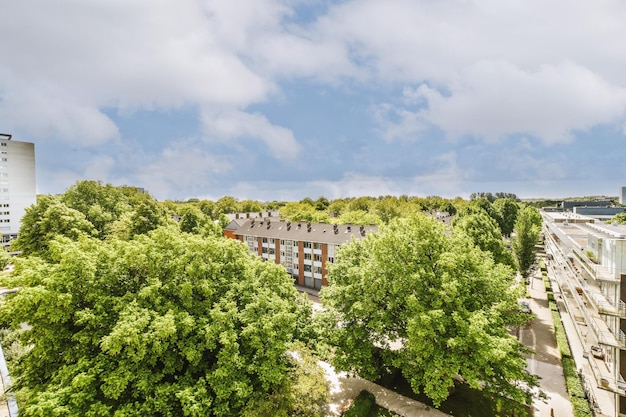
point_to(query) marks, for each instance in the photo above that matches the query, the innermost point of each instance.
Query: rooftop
(304, 231)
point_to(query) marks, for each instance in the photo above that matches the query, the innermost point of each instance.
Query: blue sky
(286, 99)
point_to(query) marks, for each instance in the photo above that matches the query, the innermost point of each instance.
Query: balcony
(604, 377)
(597, 299)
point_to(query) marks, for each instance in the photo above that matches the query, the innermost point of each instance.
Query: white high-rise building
(622, 195)
(17, 184)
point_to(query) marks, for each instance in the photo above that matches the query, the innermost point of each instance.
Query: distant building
(17, 184)
(304, 249)
(622, 195)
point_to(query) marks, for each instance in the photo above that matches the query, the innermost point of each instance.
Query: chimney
(237, 216)
(268, 224)
(308, 227)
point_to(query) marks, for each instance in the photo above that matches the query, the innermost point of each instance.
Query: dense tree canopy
(46, 220)
(485, 233)
(168, 324)
(432, 305)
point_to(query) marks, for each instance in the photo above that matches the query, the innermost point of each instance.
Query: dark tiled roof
(235, 224)
(304, 231)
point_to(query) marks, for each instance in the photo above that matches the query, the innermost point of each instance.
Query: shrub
(361, 406)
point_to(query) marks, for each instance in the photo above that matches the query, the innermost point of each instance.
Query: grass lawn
(463, 402)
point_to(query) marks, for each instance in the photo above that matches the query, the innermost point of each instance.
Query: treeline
(140, 307)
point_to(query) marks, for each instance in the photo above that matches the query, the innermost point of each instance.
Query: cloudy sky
(284, 99)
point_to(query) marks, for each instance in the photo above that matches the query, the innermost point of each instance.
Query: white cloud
(495, 99)
(491, 68)
(115, 54)
(228, 125)
(183, 166)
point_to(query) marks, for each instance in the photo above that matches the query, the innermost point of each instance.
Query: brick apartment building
(304, 249)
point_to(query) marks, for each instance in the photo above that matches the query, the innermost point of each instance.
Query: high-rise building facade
(17, 184)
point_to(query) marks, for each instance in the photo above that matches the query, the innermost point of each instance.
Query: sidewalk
(344, 388)
(546, 361)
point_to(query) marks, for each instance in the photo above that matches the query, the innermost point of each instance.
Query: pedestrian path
(546, 361)
(345, 388)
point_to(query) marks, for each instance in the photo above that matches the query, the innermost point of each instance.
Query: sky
(286, 99)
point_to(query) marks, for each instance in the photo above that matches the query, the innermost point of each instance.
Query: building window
(317, 269)
(317, 246)
(331, 259)
(307, 268)
(3, 144)
(307, 256)
(264, 240)
(317, 258)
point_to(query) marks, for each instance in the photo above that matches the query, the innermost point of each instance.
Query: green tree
(5, 259)
(619, 218)
(226, 205)
(388, 208)
(168, 324)
(251, 206)
(359, 217)
(302, 211)
(46, 220)
(526, 235)
(101, 204)
(321, 204)
(444, 302)
(304, 393)
(485, 233)
(147, 216)
(507, 214)
(192, 220)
